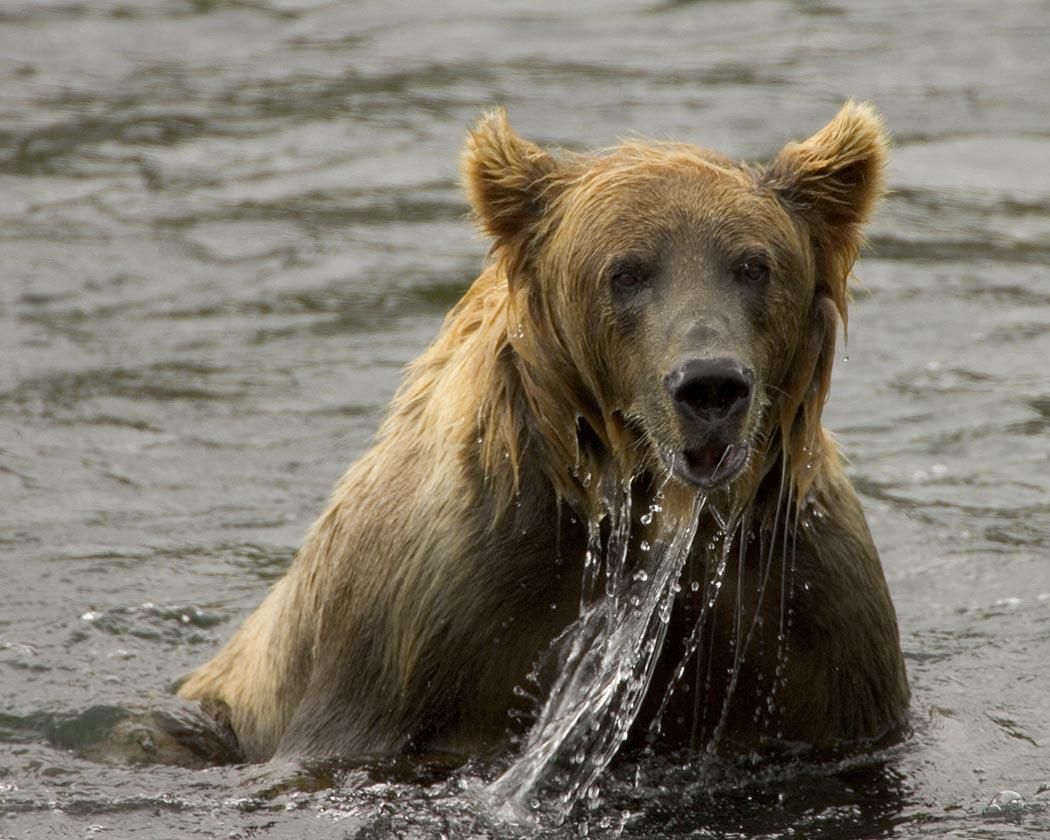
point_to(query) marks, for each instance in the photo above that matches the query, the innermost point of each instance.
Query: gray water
(225, 227)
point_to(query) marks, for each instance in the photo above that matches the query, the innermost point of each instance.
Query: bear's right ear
(507, 179)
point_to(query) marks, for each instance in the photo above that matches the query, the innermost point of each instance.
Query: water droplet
(646, 518)
(694, 586)
(645, 545)
(641, 575)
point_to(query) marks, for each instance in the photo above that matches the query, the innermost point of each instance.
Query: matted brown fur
(451, 553)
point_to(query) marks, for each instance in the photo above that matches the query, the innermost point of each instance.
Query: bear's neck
(465, 407)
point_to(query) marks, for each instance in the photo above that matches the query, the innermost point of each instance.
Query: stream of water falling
(605, 660)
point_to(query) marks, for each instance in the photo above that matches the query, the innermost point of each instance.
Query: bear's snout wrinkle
(711, 392)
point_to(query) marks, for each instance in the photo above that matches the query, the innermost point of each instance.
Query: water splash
(605, 661)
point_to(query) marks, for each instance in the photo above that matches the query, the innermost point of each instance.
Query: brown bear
(658, 317)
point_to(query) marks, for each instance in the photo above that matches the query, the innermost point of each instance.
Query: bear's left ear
(833, 180)
(836, 173)
(508, 179)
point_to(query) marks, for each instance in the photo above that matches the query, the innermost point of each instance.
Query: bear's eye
(629, 276)
(753, 269)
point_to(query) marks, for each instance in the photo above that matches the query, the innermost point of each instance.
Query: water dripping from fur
(776, 562)
(605, 659)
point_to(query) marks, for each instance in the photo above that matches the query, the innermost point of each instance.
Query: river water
(225, 228)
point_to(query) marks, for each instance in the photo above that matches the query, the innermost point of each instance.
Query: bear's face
(687, 302)
(685, 282)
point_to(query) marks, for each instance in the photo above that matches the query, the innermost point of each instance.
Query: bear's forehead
(679, 211)
(649, 180)
(668, 191)
(664, 160)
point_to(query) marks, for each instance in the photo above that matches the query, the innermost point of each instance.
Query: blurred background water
(226, 226)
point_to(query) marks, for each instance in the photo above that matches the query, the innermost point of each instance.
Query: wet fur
(449, 555)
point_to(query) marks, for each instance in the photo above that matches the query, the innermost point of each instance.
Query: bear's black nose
(710, 390)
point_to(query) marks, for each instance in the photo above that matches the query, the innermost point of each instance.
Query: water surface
(227, 226)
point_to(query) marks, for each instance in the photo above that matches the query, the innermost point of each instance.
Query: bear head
(672, 310)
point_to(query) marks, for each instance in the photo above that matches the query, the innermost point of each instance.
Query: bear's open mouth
(709, 466)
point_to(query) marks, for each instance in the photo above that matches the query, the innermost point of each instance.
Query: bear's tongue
(711, 465)
(707, 460)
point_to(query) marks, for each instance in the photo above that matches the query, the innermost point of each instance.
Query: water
(605, 662)
(226, 227)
